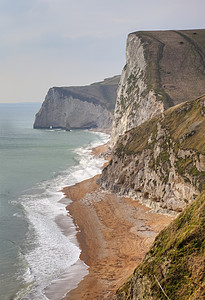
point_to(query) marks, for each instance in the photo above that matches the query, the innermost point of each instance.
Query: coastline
(69, 279)
(114, 233)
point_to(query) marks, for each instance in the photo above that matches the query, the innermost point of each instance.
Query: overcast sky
(46, 43)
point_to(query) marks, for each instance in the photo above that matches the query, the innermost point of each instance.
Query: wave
(48, 251)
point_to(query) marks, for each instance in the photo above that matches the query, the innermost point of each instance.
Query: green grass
(177, 258)
(184, 128)
(185, 119)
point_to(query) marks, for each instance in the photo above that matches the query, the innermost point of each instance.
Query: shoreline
(114, 233)
(69, 279)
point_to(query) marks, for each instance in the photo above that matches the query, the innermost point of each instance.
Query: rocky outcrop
(161, 163)
(69, 112)
(79, 107)
(159, 71)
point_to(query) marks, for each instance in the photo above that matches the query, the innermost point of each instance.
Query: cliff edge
(163, 68)
(161, 162)
(158, 157)
(83, 107)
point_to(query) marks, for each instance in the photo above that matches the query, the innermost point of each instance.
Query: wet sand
(114, 234)
(100, 149)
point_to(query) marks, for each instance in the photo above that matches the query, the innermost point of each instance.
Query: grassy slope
(185, 127)
(103, 93)
(176, 260)
(174, 58)
(179, 120)
(108, 81)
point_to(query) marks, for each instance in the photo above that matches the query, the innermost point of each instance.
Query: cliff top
(108, 81)
(185, 123)
(175, 63)
(103, 92)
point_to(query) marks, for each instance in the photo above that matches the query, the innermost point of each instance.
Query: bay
(34, 166)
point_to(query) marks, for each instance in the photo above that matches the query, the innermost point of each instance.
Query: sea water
(34, 167)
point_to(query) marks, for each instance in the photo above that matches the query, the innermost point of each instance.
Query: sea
(38, 256)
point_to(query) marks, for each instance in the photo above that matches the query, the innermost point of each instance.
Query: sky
(46, 43)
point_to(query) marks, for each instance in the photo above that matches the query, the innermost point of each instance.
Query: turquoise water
(35, 165)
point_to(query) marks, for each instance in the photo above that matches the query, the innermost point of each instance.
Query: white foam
(54, 253)
(17, 215)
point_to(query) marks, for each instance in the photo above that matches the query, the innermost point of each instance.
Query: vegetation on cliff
(174, 268)
(83, 107)
(163, 69)
(166, 154)
(181, 127)
(162, 161)
(103, 92)
(159, 157)
(170, 55)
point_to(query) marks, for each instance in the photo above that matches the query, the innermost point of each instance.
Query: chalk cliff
(158, 157)
(79, 107)
(162, 161)
(163, 68)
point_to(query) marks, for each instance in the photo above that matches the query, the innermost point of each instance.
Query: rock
(151, 164)
(157, 76)
(175, 261)
(79, 107)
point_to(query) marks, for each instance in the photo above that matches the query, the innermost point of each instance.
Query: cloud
(67, 42)
(32, 19)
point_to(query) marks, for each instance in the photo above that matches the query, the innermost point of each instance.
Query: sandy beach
(114, 234)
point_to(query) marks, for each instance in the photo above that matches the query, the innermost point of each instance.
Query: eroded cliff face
(79, 107)
(135, 103)
(158, 74)
(161, 163)
(158, 157)
(63, 112)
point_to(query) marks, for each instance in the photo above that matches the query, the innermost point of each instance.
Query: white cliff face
(161, 163)
(135, 102)
(70, 112)
(150, 178)
(89, 107)
(157, 76)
